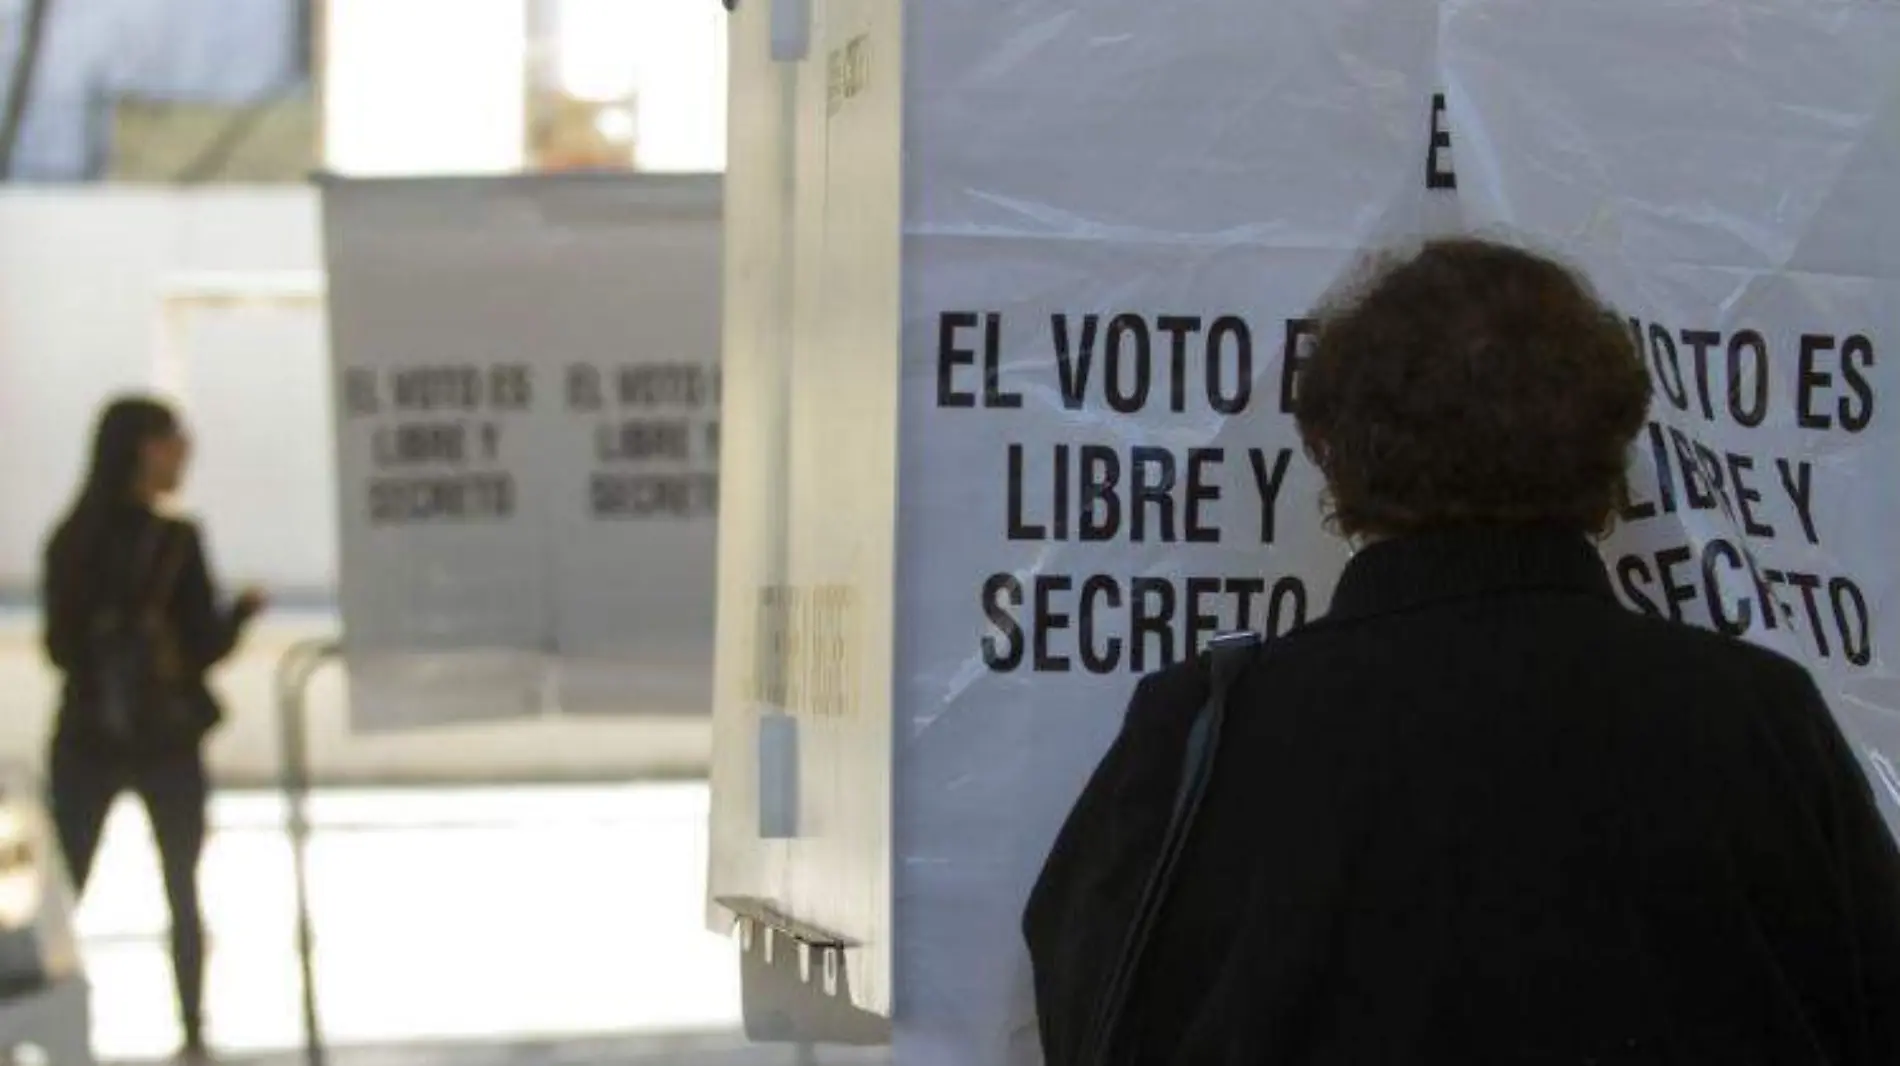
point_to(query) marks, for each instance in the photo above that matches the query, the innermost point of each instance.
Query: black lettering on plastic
(1439, 174)
(1003, 645)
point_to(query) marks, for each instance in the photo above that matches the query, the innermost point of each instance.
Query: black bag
(137, 690)
(1228, 656)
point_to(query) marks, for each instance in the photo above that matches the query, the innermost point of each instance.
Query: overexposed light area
(683, 105)
(438, 87)
(461, 915)
(669, 56)
(425, 87)
(594, 44)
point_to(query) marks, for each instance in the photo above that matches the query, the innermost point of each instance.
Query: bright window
(416, 87)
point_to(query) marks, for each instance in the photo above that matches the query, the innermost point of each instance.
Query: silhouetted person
(133, 622)
(1480, 813)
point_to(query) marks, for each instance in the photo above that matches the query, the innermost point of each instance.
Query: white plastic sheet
(1735, 197)
(1162, 193)
(1147, 201)
(528, 430)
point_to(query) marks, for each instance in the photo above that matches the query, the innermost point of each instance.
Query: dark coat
(1481, 814)
(90, 571)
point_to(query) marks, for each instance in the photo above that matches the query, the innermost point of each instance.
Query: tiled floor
(490, 926)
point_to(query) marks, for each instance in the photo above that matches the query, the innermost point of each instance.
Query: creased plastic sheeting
(1734, 195)
(808, 534)
(1720, 167)
(527, 432)
(1107, 176)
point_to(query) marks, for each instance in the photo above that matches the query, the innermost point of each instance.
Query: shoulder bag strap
(1228, 656)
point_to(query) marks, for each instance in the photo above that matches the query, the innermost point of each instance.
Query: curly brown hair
(1471, 383)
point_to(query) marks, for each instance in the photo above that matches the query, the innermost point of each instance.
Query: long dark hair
(109, 492)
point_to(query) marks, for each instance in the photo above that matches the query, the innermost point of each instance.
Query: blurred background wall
(161, 156)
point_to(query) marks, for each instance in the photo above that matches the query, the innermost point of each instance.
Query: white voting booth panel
(808, 538)
(527, 387)
(1112, 224)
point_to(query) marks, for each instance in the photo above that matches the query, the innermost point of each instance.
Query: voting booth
(527, 386)
(1016, 297)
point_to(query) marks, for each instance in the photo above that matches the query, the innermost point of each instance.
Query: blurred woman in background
(133, 623)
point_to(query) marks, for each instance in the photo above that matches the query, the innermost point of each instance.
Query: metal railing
(299, 666)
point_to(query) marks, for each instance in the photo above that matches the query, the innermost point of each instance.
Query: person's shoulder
(1187, 682)
(1712, 654)
(59, 540)
(181, 530)
(180, 523)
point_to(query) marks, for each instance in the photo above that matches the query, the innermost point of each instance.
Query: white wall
(82, 272)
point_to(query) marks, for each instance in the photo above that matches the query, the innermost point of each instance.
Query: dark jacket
(88, 571)
(1481, 814)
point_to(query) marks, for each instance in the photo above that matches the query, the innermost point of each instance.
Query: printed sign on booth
(1082, 491)
(1764, 292)
(528, 413)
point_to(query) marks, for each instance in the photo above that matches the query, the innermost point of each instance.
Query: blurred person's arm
(209, 631)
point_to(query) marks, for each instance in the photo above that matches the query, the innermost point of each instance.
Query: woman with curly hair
(1479, 812)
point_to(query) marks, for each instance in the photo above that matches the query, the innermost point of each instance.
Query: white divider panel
(527, 390)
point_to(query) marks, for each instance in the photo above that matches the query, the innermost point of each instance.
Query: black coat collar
(1410, 572)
